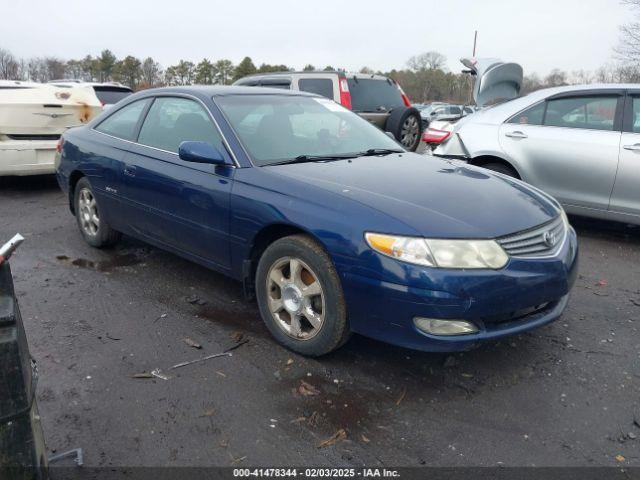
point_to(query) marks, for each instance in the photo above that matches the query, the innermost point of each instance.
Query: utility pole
(475, 41)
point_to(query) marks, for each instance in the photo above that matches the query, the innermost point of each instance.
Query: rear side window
(122, 124)
(530, 116)
(374, 95)
(321, 86)
(595, 113)
(455, 110)
(109, 96)
(173, 120)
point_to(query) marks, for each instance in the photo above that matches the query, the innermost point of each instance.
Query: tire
(501, 168)
(94, 229)
(405, 124)
(296, 293)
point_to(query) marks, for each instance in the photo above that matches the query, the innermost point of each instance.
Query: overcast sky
(381, 34)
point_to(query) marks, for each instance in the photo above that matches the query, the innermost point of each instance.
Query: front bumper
(525, 294)
(34, 157)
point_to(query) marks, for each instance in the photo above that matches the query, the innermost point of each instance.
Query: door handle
(516, 134)
(632, 147)
(130, 170)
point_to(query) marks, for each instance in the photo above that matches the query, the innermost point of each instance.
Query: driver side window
(173, 120)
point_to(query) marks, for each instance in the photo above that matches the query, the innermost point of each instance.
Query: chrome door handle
(515, 134)
(632, 147)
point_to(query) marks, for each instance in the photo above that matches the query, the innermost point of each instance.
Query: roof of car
(222, 90)
(545, 92)
(316, 72)
(500, 111)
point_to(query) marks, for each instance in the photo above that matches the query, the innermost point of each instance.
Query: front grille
(23, 136)
(541, 241)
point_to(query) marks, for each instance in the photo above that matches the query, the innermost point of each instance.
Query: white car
(32, 118)
(108, 93)
(580, 143)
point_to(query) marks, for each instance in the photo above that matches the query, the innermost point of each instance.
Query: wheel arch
(482, 160)
(74, 178)
(261, 240)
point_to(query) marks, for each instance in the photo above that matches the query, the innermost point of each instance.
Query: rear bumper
(34, 157)
(499, 302)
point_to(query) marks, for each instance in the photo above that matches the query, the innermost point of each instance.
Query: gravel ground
(564, 395)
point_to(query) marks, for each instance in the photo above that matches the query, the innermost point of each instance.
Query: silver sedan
(581, 144)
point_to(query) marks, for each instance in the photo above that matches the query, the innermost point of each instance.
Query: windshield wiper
(378, 151)
(341, 156)
(316, 158)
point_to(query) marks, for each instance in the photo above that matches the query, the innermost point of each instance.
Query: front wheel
(93, 227)
(300, 296)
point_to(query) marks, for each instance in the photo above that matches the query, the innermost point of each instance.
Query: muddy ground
(565, 394)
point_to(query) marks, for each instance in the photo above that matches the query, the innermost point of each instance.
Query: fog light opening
(437, 326)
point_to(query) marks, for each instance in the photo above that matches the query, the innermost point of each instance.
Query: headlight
(440, 253)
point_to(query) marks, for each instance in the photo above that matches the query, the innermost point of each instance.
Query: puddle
(116, 261)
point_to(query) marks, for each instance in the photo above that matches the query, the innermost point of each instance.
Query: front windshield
(278, 128)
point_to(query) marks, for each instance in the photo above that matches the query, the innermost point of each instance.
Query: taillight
(405, 99)
(59, 145)
(345, 96)
(433, 135)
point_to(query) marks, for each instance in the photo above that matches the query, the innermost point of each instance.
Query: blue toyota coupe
(324, 218)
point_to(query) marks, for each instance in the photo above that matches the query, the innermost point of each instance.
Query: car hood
(495, 80)
(434, 197)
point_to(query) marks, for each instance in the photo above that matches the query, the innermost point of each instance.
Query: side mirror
(201, 152)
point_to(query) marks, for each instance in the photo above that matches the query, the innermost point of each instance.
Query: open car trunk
(496, 81)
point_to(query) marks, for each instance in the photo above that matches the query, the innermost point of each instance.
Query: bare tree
(581, 77)
(556, 78)
(8, 65)
(628, 49)
(427, 61)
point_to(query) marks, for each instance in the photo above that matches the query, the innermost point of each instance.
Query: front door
(626, 191)
(568, 147)
(180, 204)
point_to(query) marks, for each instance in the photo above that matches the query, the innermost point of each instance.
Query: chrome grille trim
(531, 243)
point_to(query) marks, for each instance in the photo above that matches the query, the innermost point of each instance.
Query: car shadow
(605, 229)
(32, 183)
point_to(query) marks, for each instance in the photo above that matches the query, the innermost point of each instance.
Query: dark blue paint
(202, 152)
(211, 214)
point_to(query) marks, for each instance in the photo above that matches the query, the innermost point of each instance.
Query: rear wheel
(501, 168)
(95, 230)
(405, 124)
(300, 296)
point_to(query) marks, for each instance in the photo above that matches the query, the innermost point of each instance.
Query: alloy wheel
(410, 131)
(296, 298)
(88, 211)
